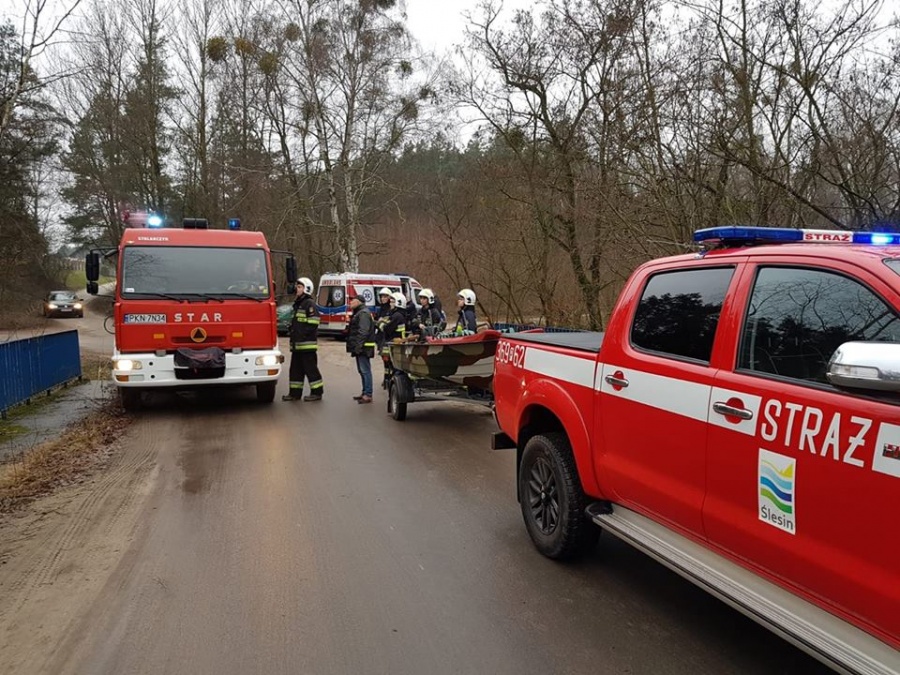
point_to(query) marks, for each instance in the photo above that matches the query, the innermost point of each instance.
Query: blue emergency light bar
(234, 223)
(746, 235)
(155, 220)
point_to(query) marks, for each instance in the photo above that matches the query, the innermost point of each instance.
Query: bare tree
(38, 33)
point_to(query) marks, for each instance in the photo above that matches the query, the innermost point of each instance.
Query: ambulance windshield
(175, 270)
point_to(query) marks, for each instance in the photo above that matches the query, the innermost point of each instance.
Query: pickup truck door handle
(731, 411)
(616, 381)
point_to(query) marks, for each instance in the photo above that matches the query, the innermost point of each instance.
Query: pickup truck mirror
(866, 365)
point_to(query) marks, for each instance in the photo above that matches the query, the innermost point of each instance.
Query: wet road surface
(327, 538)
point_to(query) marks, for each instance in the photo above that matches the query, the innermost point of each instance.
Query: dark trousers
(364, 367)
(305, 364)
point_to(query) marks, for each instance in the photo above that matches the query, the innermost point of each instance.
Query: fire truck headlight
(126, 364)
(269, 360)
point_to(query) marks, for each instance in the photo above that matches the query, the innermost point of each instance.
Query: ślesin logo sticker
(776, 482)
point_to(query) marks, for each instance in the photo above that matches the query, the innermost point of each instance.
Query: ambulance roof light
(748, 236)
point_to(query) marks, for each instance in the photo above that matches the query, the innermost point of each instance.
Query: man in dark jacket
(304, 345)
(466, 322)
(361, 344)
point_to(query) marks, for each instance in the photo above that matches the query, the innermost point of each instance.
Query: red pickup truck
(739, 421)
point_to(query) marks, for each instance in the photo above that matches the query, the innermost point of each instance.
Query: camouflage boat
(466, 360)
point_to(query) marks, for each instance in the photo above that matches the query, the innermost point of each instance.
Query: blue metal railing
(33, 365)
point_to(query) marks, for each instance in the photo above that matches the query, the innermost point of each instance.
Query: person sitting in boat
(429, 319)
(466, 324)
(394, 328)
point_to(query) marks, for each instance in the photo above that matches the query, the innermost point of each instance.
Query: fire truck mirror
(93, 288)
(92, 266)
(290, 268)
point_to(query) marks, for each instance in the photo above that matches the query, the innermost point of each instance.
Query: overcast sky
(437, 24)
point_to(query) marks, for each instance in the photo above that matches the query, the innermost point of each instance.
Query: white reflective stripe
(750, 402)
(681, 397)
(571, 369)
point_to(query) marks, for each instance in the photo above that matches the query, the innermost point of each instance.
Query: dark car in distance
(63, 303)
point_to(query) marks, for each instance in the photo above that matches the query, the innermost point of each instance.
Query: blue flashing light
(749, 235)
(154, 220)
(876, 238)
(234, 223)
(743, 236)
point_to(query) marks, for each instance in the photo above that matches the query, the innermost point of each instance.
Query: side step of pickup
(821, 634)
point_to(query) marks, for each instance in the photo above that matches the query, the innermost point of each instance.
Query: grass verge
(76, 280)
(81, 449)
(10, 427)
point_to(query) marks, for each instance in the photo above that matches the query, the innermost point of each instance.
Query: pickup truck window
(798, 317)
(894, 264)
(679, 311)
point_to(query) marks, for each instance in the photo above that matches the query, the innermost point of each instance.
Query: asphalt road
(327, 538)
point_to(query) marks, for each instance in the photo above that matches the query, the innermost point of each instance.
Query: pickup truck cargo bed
(584, 342)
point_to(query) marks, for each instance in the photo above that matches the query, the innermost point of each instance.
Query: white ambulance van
(336, 288)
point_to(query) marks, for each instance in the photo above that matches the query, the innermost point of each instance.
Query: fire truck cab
(194, 307)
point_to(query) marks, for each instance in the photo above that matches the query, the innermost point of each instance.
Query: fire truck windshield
(193, 271)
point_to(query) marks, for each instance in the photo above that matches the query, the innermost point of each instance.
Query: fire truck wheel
(130, 398)
(265, 391)
(552, 500)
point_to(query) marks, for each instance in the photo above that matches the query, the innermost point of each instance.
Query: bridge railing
(30, 366)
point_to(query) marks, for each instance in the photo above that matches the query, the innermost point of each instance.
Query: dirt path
(57, 556)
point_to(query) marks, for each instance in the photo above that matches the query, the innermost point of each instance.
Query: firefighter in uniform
(466, 323)
(394, 328)
(429, 319)
(304, 346)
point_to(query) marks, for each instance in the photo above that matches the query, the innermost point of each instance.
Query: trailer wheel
(265, 391)
(130, 398)
(398, 397)
(552, 500)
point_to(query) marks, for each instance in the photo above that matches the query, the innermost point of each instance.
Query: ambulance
(335, 288)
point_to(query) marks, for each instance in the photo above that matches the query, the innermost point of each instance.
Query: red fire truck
(739, 421)
(194, 307)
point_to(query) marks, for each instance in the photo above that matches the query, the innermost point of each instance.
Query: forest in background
(598, 134)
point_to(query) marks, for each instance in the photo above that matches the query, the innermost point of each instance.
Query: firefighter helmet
(399, 300)
(468, 297)
(428, 294)
(306, 284)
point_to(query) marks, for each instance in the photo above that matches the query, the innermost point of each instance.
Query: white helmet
(399, 300)
(428, 294)
(385, 291)
(307, 285)
(468, 296)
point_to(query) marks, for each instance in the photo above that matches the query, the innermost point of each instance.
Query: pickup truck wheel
(130, 398)
(552, 501)
(265, 391)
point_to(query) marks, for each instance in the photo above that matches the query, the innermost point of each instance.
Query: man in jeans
(361, 344)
